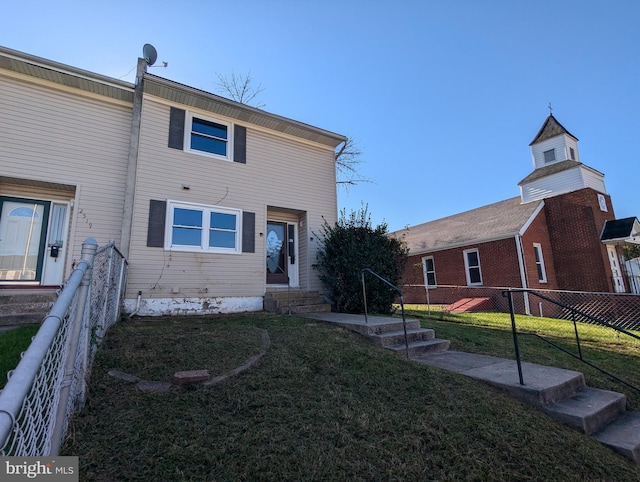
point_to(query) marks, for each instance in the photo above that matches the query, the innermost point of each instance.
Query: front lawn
(322, 404)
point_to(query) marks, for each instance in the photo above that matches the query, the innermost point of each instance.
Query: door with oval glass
(277, 253)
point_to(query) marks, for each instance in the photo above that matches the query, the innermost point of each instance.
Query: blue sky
(442, 96)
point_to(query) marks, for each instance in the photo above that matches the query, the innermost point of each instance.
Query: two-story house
(213, 202)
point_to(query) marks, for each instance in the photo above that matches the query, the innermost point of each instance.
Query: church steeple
(553, 143)
(556, 165)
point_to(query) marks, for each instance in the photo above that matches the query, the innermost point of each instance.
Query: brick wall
(575, 224)
(498, 266)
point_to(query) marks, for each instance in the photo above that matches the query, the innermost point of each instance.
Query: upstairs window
(207, 136)
(472, 267)
(572, 153)
(542, 273)
(549, 156)
(429, 271)
(210, 137)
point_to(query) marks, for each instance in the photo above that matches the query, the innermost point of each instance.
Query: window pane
(222, 239)
(550, 155)
(474, 275)
(209, 128)
(428, 263)
(186, 237)
(187, 217)
(223, 221)
(472, 258)
(431, 279)
(207, 144)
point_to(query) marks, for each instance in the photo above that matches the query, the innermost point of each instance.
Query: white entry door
(618, 280)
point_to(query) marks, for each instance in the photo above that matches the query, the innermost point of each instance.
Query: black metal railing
(400, 295)
(573, 314)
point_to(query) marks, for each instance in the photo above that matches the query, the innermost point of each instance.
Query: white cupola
(556, 165)
(553, 143)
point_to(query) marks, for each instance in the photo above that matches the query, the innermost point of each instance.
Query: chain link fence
(583, 325)
(49, 384)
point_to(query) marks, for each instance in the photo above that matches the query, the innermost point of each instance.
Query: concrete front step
(418, 348)
(623, 436)
(18, 307)
(397, 337)
(589, 409)
(295, 302)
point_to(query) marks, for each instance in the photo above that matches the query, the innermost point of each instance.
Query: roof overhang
(621, 231)
(64, 75)
(200, 99)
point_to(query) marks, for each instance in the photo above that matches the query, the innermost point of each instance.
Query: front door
(277, 253)
(23, 229)
(618, 280)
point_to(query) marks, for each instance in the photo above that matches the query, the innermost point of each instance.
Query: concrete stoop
(562, 394)
(19, 307)
(284, 301)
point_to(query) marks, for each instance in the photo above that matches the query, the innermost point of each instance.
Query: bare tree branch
(348, 162)
(240, 88)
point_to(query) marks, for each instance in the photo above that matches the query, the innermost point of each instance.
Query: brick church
(560, 233)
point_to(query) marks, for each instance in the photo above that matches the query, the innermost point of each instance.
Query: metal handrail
(391, 285)
(509, 294)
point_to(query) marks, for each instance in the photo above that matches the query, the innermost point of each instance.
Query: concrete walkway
(560, 393)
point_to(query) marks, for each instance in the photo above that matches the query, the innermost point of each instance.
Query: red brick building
(560, 233)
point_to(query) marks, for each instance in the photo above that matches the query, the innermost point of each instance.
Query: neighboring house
(212, 202)
(633, 271)
(560, 233)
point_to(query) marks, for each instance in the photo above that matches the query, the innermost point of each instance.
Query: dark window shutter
(248, 232)
(240, 144)
(157, 219)
(176, 128)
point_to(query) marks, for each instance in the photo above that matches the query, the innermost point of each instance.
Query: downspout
(523, 272)
(132, 164)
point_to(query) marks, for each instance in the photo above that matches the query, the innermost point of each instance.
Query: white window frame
(189, 131)
(205, 229)
(540, 268)
(467, 268)
(425, 272)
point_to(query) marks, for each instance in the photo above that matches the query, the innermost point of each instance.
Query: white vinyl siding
(561, 146)
(280, 172)
(562, 182)
(51, 136)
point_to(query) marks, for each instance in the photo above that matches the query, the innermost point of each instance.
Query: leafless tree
(348, 162)
(240, 88)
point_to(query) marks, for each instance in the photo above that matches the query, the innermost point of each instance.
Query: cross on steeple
(550, 109)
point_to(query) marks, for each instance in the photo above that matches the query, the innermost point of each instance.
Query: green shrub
(352, 245)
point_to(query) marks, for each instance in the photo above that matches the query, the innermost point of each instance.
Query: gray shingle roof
(550, 128)
(500, 220)
(555, 168)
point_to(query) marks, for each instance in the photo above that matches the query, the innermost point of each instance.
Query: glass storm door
(277, 258)
(23, 226)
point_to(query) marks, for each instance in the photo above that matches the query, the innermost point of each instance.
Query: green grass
(322, 404)
(491, 334)
(12, 343)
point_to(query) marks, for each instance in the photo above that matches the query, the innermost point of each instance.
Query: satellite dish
(149, 54)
